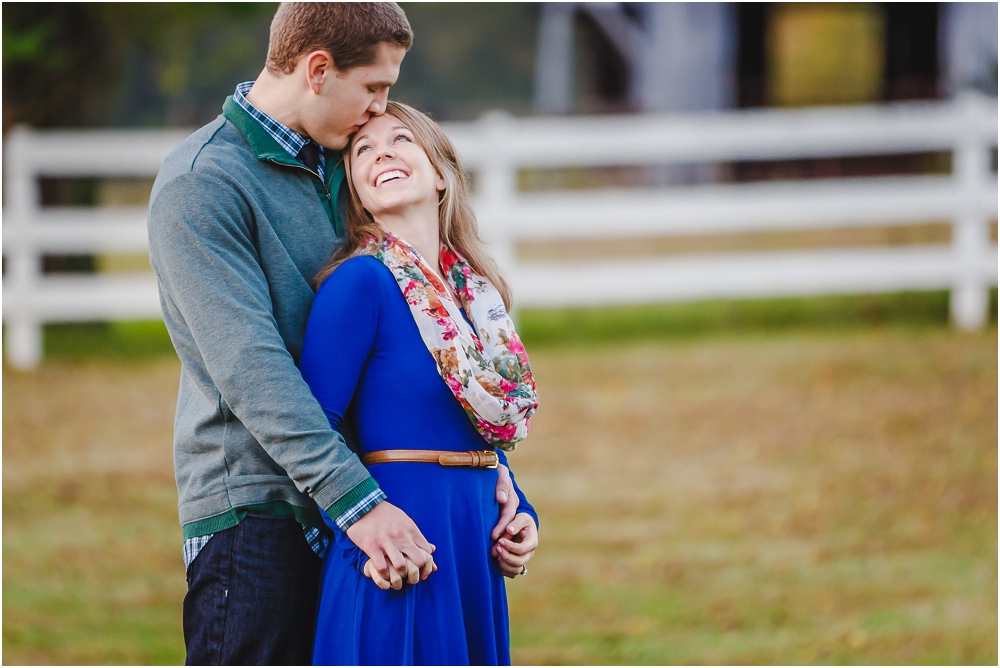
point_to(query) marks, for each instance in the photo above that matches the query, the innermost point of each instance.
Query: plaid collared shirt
(292, 142)
(289, 139)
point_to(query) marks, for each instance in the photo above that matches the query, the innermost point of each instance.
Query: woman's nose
(385, 152)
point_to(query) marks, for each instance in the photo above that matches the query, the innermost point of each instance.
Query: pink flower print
(497, 432)
(515, 346)
(454, 385)
(464, 289)
(414, 293)
(450, 331)
(507, 385)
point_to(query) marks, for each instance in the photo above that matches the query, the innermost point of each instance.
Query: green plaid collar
(290, 140)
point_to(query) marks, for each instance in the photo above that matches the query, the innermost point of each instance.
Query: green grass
(108, 341)
(145, 340)
(737, 317)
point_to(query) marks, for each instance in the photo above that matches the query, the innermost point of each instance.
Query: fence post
(24, 331)
(970, 237)
(496, 188)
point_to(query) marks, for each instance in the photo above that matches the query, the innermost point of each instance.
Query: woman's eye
(362, 149)
(403, 137)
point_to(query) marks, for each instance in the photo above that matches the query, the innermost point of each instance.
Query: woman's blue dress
(365, 361)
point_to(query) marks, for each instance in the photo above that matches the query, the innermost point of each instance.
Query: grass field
(738, 493)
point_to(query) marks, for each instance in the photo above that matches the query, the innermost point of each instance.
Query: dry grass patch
(797, 499)
(91, 546)
(793, 498)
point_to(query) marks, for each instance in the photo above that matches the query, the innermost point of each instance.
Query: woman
(409, 339)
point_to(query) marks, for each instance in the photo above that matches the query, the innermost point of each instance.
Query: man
(242, 215)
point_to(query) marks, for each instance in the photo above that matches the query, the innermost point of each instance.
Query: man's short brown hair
(349, 31)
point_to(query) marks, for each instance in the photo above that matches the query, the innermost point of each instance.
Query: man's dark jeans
(252, 593)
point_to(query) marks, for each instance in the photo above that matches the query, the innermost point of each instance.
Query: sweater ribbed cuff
(354, 505)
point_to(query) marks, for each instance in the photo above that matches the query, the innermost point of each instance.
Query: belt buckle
(491, 459)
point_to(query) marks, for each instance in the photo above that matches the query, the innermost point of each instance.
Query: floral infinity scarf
(487, 369)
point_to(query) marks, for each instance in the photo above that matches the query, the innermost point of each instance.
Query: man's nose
(377, 107)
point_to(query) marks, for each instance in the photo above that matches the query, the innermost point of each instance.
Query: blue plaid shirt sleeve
(358, 510)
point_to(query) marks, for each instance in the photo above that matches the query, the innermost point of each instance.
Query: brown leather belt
(477, 459)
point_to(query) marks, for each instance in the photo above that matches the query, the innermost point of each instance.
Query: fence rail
(497, 147)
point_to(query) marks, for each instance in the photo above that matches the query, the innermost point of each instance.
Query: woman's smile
(390, 175)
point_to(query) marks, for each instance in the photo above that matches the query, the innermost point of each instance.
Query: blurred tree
(468, 58)
(182, 59)
(127, 64)
(156, 64)
(53, 55)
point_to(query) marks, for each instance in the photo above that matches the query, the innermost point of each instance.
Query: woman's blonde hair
(456, 221)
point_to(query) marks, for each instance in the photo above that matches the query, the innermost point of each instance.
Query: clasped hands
(398, 552)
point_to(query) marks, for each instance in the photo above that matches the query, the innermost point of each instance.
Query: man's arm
(202, 249)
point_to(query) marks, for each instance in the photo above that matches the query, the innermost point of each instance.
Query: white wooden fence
(498, 146)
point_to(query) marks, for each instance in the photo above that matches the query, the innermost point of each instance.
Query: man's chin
(333, 140)
(336, 143)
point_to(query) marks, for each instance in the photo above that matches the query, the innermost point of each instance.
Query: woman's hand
(517, 545)
(507, 499)
(395, 580)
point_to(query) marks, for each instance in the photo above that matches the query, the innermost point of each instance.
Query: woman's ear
(441, 184)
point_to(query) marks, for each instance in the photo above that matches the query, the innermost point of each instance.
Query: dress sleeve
(340, 336)
(524, 506)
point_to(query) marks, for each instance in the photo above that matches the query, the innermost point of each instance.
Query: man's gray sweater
(237, 230)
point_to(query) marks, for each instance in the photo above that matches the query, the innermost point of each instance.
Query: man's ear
(319, 66)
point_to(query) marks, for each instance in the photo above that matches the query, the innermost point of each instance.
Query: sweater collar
(264, 146)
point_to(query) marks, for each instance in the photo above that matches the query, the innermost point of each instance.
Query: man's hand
(393, 544)
(394, 581)
(508, 501)
(517, 546)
